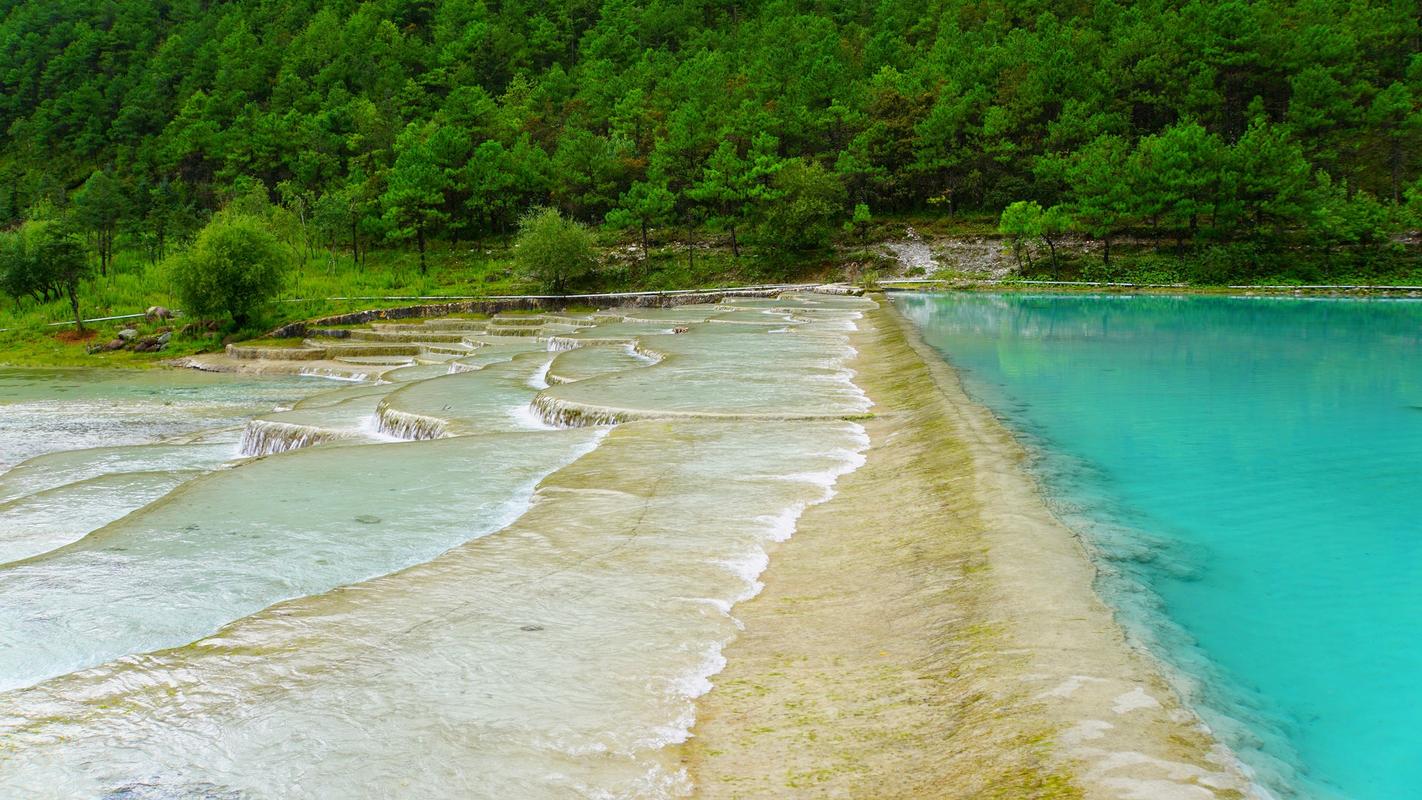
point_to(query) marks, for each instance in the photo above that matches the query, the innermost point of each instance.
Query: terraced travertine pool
(501, 564)
(1249, 471)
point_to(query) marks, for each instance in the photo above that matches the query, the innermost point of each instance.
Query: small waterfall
(405, 425)
(264, 437)
(566, 415)
(557, 343)
(560, 343)
(648, 355)
(338, 375)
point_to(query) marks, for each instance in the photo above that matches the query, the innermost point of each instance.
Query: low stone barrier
(498, 305)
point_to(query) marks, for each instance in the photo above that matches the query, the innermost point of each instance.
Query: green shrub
(234, 267)
(554, 250)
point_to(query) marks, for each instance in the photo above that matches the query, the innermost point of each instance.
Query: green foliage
(1025, 220)
(414, 201)
(1204, 123)
(44, 260)
(642, 207)
(804, 202)
(235, 265)
(1020, 222)
(98, 206)
(554, 250)
(19, 274)
(858, 222)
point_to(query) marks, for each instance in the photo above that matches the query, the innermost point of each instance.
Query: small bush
(554, 250)
(235, 266)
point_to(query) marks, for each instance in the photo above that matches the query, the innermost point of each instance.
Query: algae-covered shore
(932, 631)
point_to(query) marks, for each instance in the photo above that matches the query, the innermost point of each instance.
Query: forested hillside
(1206, 122)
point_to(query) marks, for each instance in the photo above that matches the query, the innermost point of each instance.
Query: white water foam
(333, 375)
(749, 567)
(539, 379)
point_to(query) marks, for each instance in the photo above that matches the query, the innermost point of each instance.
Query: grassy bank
(965, 249)
(41, 333)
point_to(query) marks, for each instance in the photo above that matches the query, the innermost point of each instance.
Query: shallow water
(421, 588)
(46, 410)
(1248, 471)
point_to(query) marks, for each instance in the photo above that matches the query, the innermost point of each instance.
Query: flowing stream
(506, 569)
(1248, 471)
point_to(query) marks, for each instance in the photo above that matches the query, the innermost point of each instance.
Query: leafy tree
(554, 250)
(1395, 117)
(60, 261)
(98, 206)
(491, 177)
(19, 275)
(858, 222)
(645, 205)
(1268, 181)
(1177, 175)
(414, 200)
(1021, 222)
(235, 265)
(1340, 220)
(725, 188)
(1413, 210)
(300, 205)
(587, 170)
(1052, 225)
(166, 214)
(1099, 186)
(808, 200)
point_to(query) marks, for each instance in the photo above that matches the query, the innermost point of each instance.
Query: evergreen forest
(1221, 127)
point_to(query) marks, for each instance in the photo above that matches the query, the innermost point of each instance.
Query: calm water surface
(1251, 472)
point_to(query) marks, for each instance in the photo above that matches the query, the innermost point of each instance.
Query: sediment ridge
(932, 632)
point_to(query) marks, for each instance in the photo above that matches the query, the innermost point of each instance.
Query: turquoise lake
(1250, 472)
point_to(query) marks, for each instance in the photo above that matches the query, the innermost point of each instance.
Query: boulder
(164, 337)
(127, 333)
(157, 313)
(115, 344)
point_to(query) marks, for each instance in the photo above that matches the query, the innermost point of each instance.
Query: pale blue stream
(1250, 471)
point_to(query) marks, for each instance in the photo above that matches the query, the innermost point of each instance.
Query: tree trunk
(1396, 170)
(103, 252)
(73, 291)
(1106, 253)
(645, 255)
(420, 239)
(735, 245)
(1052, 246)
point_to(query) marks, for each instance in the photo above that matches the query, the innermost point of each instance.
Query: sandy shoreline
(932, 631)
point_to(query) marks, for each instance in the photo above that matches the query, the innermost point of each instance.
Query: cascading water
(356, 616)
(265, 438)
